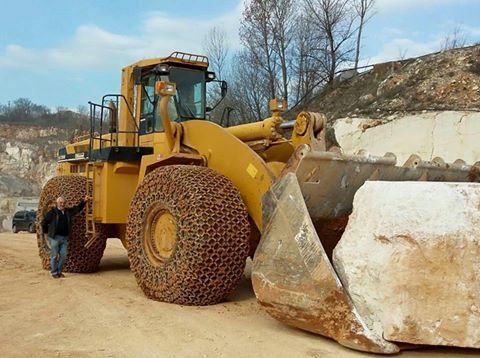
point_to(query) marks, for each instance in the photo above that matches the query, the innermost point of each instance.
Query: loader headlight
(278, 105)
(210, 76)
(162, 69)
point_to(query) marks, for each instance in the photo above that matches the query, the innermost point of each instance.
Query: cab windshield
(190, 98)
(189, 102)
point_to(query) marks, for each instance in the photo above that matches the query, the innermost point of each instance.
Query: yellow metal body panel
(126, 123)
(234, 159)
(277, 152)
(114, 186)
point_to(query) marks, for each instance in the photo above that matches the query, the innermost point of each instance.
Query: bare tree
(257, 37)
(363, 10)
(307, 74)
(333, 22)
(249, 92)
(402, 53)
(292, 49)
(83, 110)
(455, 39)
(216, 47)
(282, 27)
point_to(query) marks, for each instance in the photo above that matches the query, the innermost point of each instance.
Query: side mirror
(223, 93)
(163, 88)
(224, 88)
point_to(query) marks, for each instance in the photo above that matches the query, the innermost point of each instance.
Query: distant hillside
(23, 111)
(447, 80)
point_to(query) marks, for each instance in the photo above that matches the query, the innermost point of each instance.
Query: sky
(68, 52)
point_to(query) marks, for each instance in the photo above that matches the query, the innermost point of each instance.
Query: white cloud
(406, 4)
(399, 48)
(16, 56)
(392, 31)
(189, 33)
(472, 31)
(401, 45)
(92, 47)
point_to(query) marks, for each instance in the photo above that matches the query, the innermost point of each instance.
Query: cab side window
(147, 103)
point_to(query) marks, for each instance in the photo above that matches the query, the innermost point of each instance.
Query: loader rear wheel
(187, 235)
(79, 259)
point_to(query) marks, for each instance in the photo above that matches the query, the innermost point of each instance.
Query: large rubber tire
(31, 228)
(14, 229)
(79, 259)
(211, 243)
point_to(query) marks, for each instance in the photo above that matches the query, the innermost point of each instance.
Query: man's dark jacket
(50, 221)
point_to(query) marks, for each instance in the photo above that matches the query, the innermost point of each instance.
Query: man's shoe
(61, 275)
(55, 275)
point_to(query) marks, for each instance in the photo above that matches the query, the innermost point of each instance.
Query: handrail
(113, 127)
(126, 103)
(132, 117)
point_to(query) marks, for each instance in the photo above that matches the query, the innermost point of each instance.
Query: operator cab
(188, 103)
(118, 121)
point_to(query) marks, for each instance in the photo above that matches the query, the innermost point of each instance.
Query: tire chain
(79, 258)
(212, 243)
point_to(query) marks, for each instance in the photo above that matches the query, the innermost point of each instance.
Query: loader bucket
(304, 215)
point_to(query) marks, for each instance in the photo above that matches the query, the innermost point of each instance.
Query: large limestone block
(450, 135)
(410, 260)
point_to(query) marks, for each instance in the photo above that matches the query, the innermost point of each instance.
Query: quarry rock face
(410, 260)
(450, 135)
(27, 161)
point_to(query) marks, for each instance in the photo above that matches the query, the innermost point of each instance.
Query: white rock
(449, 135)
(410, 259)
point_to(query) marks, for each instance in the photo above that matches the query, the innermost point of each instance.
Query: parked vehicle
(24, 220)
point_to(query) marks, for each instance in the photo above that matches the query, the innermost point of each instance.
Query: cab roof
(182, 58)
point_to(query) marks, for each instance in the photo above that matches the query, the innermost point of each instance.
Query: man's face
(61, 204)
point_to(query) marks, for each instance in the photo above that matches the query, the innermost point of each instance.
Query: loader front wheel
(187, 235)
(79, 259)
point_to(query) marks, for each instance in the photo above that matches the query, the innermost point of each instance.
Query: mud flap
(294, 280)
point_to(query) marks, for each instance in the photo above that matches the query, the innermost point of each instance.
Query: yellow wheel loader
(190, 200)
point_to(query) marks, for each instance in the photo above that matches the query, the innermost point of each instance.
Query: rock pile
(447, 80)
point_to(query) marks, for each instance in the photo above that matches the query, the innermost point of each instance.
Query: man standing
(57, 224)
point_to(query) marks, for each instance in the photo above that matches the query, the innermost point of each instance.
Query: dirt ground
(106, 315)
